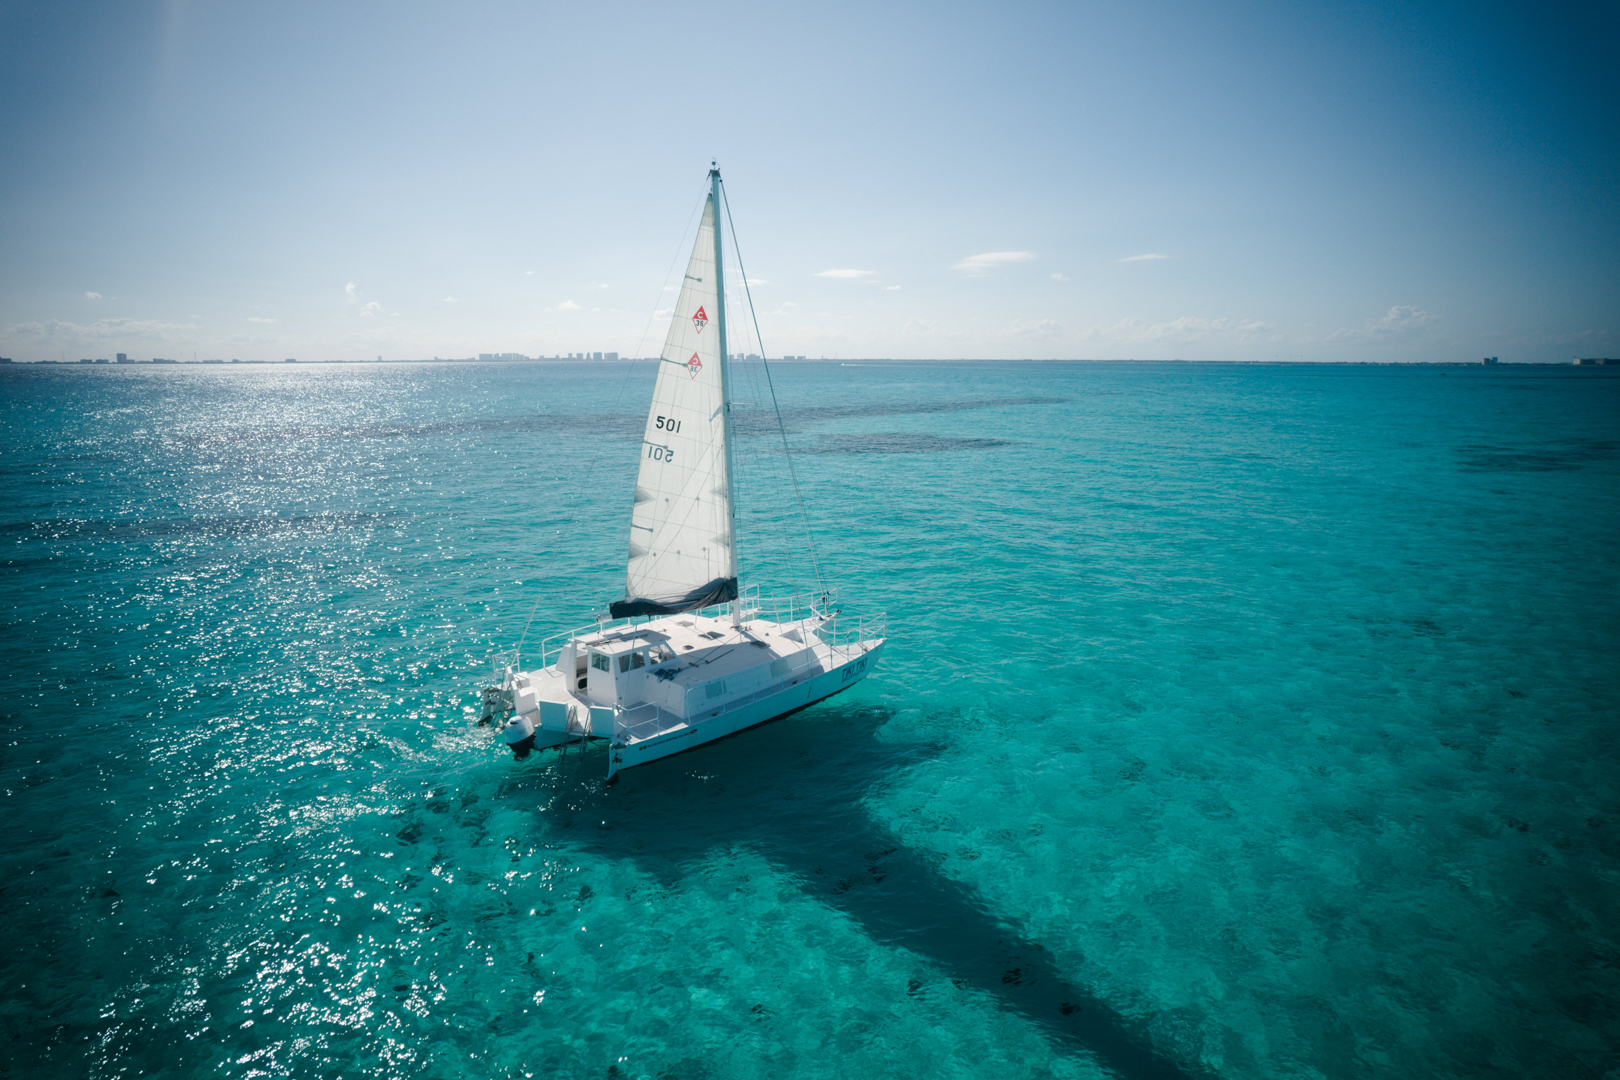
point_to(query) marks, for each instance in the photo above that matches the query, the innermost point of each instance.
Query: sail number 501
(660, 453)
(668, 423)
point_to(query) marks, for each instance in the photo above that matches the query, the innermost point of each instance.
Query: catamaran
(686, 657)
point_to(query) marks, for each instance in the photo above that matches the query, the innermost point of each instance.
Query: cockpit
(617, 663)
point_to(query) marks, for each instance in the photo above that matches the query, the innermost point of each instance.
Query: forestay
(682, 553)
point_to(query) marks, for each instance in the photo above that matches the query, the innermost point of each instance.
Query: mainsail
(682, 553)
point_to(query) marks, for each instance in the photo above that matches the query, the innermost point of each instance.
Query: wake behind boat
(685, 657)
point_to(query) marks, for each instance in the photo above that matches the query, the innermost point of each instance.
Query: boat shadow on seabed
(793, 790)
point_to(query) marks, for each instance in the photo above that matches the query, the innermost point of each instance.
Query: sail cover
(681, 553)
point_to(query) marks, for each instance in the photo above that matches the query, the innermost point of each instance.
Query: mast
(725, 387)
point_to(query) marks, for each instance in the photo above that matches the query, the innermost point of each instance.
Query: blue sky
(1148, 180)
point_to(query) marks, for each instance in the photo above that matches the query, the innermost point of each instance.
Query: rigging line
(793, 475)
(747, 473)
(753, 467)
(517, 659)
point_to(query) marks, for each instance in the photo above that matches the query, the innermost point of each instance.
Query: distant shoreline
(796, 360)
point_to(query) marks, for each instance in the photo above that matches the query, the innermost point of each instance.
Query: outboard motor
(520, 735)
(492, 704)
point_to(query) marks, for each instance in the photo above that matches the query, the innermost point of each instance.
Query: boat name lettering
(668, 423)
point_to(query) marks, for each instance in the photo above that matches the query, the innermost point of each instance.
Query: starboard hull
(624, 754)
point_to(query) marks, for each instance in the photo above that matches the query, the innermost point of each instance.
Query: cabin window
(631, 661)
(600, 662)
(660, 653)
(715, 689)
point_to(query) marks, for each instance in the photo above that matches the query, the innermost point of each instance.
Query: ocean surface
(1236, 721)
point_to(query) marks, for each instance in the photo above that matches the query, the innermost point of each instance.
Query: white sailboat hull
(658, 687)
(627, 753)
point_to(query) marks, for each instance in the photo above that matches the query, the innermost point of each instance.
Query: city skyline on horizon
(613, 358)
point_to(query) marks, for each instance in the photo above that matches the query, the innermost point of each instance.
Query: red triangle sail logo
(694, 365)
(700, 320)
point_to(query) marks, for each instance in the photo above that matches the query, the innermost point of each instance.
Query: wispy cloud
(1144, 258)
(527, 272)
(927, 328)
(1590, 338)
(846, 273)
(348, 292)
(371, 309)
(1044, 328)
(100, 330)
(1060, 277)
(92, 296)
(1187, 329)
(891, 288)
(451, 300)
(990, 260)
(1401, 320)
(257, 319)
(567, 305)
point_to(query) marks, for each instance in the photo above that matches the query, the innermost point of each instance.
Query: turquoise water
(1236, 722)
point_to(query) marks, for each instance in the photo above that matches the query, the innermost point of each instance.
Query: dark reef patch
(1561, 456)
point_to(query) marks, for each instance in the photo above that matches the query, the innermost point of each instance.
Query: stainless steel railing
(831, 625)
